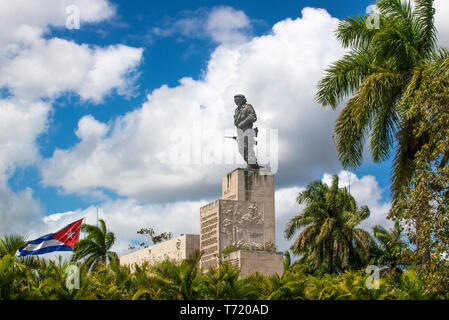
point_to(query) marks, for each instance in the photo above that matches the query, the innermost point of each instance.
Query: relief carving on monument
(242, 225)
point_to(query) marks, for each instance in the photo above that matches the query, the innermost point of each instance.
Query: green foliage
(328, 223)
(382, 68)
(390, 247)
(36, 278)
(222, 283)
(151, 234)
(396, 79)
(10, 244)
(424, 209)
(94, 249)
(269, 247)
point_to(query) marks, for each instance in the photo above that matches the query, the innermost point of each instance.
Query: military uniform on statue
(244, 118)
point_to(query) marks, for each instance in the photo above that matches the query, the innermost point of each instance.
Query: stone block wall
(267, 263)
(175, 249)
(244, 218)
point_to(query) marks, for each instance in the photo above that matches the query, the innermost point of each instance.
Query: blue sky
(165, 61)
(88, 110)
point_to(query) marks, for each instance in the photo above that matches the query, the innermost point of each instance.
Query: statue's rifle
(235, 138)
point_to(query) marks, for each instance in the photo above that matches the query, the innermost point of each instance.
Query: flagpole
(84, 234)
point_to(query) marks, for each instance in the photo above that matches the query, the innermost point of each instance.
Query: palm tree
(390, 246)
(10, 244)
(288, 287)
(95, 248)
(223, 283)
(184, 279)
(329, 223)
(381, 72)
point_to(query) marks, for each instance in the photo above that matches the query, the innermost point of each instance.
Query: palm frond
(326, 230)
(9, 244)
(308, 235)
(344, 77)
(403, 166)
(352, 32)
(378, 91)
(399, 9)
(425, 14)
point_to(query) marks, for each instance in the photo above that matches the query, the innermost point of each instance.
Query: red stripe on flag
(69, 234)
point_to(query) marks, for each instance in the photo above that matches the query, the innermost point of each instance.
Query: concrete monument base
(264, 262)
(245, 219)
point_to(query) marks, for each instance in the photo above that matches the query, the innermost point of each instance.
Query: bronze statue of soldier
(244, 118)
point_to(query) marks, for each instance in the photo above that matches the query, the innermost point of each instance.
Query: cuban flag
(62, 240)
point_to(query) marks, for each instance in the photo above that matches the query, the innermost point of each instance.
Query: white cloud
(21, 122)
(286, 208)
(112, 68)
(18, 211)
(43, 13)
(49, 68)
(442, 22)
(34, 66)
(89, 128)
(222, 24)
(227, 25)
(22, 21)
(187, 23)
(372, 9)
(278, 74)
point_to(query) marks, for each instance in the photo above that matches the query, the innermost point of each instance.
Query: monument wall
(244, 218)
(263, 262)
(176, 249)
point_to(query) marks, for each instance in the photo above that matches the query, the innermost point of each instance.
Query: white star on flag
(69, 234)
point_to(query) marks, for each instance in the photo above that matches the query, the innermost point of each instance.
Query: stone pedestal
(243, 219)
(263, 262)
